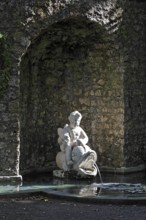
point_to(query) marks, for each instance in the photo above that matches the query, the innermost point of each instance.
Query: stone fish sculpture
(75, 154)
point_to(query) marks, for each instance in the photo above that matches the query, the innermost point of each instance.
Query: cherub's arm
(83, 136)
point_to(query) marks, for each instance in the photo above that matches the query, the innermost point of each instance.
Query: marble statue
(75, 154)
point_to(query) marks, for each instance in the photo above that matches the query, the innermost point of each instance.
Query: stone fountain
(75, 156)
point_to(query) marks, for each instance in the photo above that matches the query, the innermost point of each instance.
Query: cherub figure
(75, 153)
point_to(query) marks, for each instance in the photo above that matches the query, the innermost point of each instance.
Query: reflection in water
(80, 188)
(105, 189)
(82, 191)
(90, 191)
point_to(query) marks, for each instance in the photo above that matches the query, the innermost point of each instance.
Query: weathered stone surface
(11, 179)
(96, 50)
(70, 67)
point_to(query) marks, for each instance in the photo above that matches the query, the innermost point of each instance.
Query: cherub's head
(75, 119)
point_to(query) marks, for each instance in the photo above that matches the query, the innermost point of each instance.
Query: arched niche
(73, 65)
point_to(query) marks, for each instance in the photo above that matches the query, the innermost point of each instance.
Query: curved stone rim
(52, 194)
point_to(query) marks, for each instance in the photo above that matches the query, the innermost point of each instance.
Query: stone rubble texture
(73, 55)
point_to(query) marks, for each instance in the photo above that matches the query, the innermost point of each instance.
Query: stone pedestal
(70, 174)
(11, 179)
(59, 173)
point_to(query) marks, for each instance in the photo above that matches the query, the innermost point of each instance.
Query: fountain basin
(113, 189)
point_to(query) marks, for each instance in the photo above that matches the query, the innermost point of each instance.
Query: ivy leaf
(1, 35)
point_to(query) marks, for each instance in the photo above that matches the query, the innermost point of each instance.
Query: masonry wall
(73, 65)
(94, 62)
(134, 54)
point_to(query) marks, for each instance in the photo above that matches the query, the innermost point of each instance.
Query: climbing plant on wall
(4, 63)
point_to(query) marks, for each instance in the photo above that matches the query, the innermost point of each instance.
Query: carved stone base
(59, 173)
(70, 174)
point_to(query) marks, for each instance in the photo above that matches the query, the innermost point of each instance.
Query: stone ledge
(123, 170)
(11, 179)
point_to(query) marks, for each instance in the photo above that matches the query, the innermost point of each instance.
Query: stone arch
(59, 73)
(31, 19)
(109, 111)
